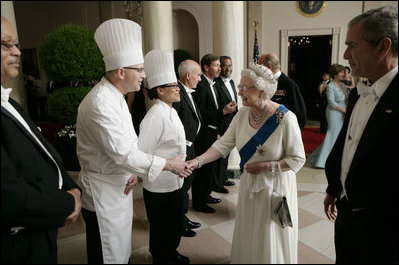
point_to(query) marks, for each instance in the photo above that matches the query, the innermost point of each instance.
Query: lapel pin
(388, 111)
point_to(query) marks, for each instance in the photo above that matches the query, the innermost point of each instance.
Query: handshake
(183, 168)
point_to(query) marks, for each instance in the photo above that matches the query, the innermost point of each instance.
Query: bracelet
(273, 166)
(200, 161)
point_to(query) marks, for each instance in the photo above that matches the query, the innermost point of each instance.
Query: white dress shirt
(359, 118)
(211, 83)
(162, 134)
(5, 104)
(226, 81)
(189, 91)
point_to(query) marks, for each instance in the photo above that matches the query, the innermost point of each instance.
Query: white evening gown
(257, 239)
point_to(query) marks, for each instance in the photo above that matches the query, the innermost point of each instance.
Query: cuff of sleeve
(156, 168)
(295, 166)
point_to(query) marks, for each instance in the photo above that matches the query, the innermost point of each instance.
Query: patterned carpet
(213, 241)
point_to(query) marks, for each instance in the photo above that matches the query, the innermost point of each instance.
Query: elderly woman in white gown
(257, 239)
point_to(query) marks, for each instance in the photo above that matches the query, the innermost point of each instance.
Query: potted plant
(72, 60)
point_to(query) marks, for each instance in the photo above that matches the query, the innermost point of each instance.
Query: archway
(185, 33)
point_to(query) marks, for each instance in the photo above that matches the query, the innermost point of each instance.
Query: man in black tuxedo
(362, 168)
(206, 97)
(288, 92)
(37, 194)
(189, 76)
(228, 95)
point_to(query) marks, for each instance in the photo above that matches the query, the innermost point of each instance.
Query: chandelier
(134, 11)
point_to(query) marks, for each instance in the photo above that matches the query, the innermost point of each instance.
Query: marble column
(157, 25)
(228, 33)
(18, 93)
(157, 30)
(228, 39)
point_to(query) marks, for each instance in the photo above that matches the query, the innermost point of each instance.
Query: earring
(259, 102)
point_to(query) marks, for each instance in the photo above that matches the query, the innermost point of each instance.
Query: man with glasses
(37, 194)
(107, 146)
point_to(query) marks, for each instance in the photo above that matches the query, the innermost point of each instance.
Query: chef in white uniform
(162, 133)
(107, 146)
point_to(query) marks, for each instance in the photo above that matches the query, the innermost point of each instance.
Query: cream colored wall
(279, 15)
(185, 33)
(202, 12)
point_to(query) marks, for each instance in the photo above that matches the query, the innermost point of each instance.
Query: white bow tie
(5, 94)
(365, 90)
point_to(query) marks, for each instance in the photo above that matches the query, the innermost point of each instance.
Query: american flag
(256, 48)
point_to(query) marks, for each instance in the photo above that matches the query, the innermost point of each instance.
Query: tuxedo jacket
(211, 116)
(289, 94)
(186, 112)
(30, 196)
(372, 180)
(225, 98)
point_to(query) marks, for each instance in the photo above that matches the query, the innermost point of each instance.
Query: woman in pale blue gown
(336, 98)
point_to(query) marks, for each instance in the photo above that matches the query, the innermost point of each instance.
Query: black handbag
(280, 211)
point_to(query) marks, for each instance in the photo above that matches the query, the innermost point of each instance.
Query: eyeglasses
(140, 70)
(170, 85)
(9, 46)
(244, 88)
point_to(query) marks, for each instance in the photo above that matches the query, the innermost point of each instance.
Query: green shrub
(70, 53)
(64, 103)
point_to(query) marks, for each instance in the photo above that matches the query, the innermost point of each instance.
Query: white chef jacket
(162, 134)
(108, 155)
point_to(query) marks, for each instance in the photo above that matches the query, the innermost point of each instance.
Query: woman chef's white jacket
(108, 155)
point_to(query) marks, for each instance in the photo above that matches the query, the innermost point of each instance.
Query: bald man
(288, 92)
(189, 76)
(37, 194)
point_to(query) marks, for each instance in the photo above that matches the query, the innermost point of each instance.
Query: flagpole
(256, 47)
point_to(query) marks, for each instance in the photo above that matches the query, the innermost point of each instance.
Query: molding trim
(286, 33)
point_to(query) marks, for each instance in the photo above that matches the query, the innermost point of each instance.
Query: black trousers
(93, 239)
(165, 214)
(201, 188)
(363, 237)
(221, 176)
(29, 246)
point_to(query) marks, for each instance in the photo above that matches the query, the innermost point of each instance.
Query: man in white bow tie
(362, 168)
(37, 194)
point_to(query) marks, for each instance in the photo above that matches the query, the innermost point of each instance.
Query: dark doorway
(309, 57)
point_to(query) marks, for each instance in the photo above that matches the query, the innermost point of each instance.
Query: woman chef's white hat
(159, 68)
(120, 43)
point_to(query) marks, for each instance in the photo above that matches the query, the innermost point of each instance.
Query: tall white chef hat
(119, 41)
(159, 68)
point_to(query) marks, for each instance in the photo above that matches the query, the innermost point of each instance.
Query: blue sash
(261, 136)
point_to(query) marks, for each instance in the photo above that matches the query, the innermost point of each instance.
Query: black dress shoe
(188, 233)
(213, 200)
(221, 190)
(205, 209)
(228, 183)
(193, 225)
(180, 259)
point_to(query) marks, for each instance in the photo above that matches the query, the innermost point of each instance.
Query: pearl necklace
(258, 118)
